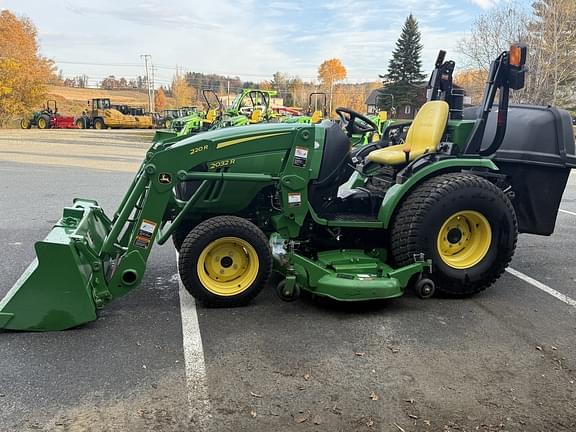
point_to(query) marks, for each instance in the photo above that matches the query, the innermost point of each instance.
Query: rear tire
(225, 261)
(44, 122)
(81, 123)
(464, 223)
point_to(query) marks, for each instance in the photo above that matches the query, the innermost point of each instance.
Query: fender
(396, 193)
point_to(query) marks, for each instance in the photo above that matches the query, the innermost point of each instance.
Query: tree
(473, 82)
(329, 73)
(23, 71)
(181, 91)
(551, 41)
(405, 64)
(493, 33)
(405, 67)
(160, 100)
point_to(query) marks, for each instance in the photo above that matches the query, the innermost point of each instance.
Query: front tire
(81, 123)
(25, 124)
(225, 261)
(464, 223)
(99, 124)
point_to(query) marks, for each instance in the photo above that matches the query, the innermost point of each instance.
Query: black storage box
(537, 155)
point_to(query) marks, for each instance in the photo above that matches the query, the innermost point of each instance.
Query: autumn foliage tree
(160, 100)
(181, 91)
(23, 71)
(331, 72)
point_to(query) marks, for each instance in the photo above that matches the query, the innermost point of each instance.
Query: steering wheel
(349, 117)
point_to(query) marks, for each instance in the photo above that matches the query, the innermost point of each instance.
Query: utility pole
(153, 90)
(148, 57)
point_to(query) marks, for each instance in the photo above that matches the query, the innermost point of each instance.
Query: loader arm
(89, 259)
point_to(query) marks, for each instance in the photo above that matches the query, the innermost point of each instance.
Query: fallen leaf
(306, 376)
(539, 348)
(360, 354)
(300, 419)
(554, 348)
(253, 414)
(412, 416)
(394, 350)
(427, 422)
(370, 423)
(317, 420)
(409, 401)
(143, 366)
(374, 396)
(256, 395)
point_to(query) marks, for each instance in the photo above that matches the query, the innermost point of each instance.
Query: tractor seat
(256, 116)
(210, 116)
(316, 117)
(423, 136)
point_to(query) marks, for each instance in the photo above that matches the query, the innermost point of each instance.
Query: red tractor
(48, 118)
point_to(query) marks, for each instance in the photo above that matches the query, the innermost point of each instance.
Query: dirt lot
(504, 360)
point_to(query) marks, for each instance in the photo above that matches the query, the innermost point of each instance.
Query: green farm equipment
(48, 118)
(440, 211)
(317, 110)
(251, 106)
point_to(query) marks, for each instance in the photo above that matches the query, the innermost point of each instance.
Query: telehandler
(440, 211)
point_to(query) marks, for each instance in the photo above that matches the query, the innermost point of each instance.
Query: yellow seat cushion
(210, 116)
(316, 117)
(256, 116)
(423, 136)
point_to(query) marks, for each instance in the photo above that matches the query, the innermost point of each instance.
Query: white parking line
(567, 212)
(562, 297)
(195, 368)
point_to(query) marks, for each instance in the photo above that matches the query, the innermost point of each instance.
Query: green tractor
(316, 112)
(48, 118)
(251, 106)
(439, 212)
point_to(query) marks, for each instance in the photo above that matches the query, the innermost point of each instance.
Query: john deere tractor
(48, 118)
(251, 106)
(316, 112)
(439, 212)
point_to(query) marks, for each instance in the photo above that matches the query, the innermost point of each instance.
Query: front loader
(439, 212)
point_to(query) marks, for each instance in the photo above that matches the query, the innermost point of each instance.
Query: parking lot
(504, 360)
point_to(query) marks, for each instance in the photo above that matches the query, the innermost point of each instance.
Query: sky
(251, 39)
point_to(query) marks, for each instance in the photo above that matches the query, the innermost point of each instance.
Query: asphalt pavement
(504, 360)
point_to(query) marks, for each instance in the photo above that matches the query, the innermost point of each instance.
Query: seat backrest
(256, 116)
(211, 115)
(316, 117)
(427, 128)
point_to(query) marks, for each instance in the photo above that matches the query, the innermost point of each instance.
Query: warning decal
(145, 233)
(294, 199)
(300, 156)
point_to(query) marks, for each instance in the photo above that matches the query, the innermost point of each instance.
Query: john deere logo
(165, 178)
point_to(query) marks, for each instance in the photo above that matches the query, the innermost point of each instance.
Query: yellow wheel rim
(41, 123)
(97, 125)
(464, 239)
(228, 266)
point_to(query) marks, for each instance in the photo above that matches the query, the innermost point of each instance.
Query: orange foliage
(160, 100)
(472, 81)
(23, 72)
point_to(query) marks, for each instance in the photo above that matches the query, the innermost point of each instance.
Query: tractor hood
(231, 136)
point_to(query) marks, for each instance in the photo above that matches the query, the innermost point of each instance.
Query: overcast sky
(248, 38)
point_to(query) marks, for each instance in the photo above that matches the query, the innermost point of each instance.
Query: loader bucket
(55, 291)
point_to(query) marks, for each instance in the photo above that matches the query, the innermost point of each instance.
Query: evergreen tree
(405, 65)
(404, 69)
